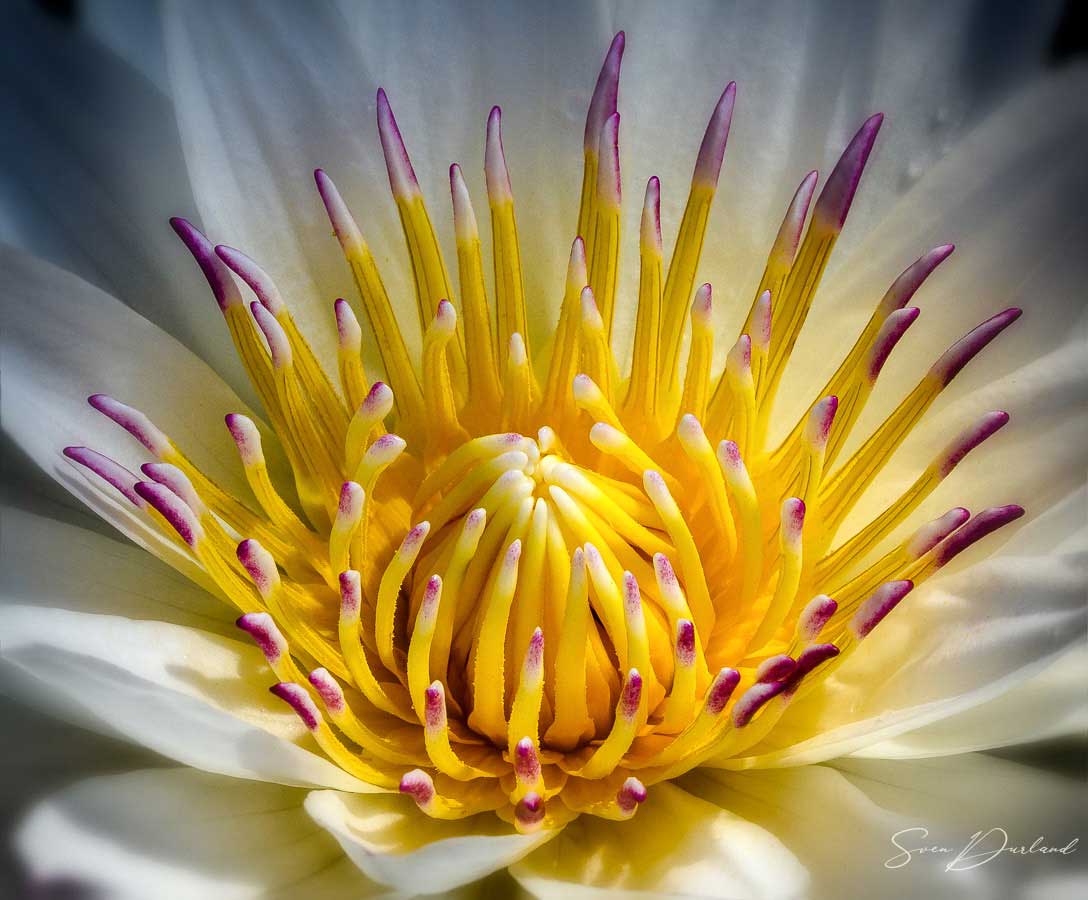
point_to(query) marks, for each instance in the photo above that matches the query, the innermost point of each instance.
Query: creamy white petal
(840, 822)
(393, 843)
(93, 169)
(192, 696)
(267, 92)
(978, 632)
(1049, 706)
(677, 845)
(64, 340)
(182, 834)
(48, 563)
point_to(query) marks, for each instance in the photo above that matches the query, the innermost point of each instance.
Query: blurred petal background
(116, 114)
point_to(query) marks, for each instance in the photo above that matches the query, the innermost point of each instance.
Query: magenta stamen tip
(968, 439)
(217, 275)
(717, 696)
(986, 522)
(328, 690)
(631, 793)
(263, 630)
(109, 470)
(295, 696)
(402, 178)
(685, 642)
(712, 150)
(966, 348)
(631, 695)
(775, 668)
(815, 616)
(529, 812)
(838, 192)
(172, 508)
(253, 275)
(419, 786)
(350, 593)
(605, 93)
(876, 608)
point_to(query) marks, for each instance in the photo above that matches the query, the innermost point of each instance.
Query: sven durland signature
(983, 847)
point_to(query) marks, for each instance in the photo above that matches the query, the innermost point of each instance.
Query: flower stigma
(522, 581)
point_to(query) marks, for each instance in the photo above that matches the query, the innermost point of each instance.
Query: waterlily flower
(650, 501)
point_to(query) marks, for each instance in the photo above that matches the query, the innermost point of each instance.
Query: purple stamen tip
(876, 608)
(775, 668)
(631, 695)
(265, 634)
(418, 785)
(838, 192)
(970, 438)
(295, 696)
(529, 811)
(328, 689)
(712, 150)
(172, 508)
(986, 522)
(215, 272)
(721, 690)
(815, 616)
(970, 345)
(631, 793)
(685, 642)
(109, 470)
(605, 93)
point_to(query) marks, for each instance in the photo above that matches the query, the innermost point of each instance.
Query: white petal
(42, 754)
(677, 845)
(94, 170)
(1048, 706)
(840, 821)
(192, 696)
(397, 845)
(180, 834)
(51, 564)
(64, 340)
(267, 93)
(970, 637)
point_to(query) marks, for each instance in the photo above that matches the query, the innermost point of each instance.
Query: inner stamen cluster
(539, 587)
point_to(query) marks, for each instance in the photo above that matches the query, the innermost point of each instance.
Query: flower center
(539, 585)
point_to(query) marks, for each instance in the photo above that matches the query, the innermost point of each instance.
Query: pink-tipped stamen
(295, 696)
(133, 421)
(605, 93)
(970, 345)
(402, 178)
(892, 329)
(109, 470)
(879, 604)
(261, 627)
(218, 276)
(708, 165)
(969, 439)
(259, 281)
(172, 508)
(986, 522)
(329, 690)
